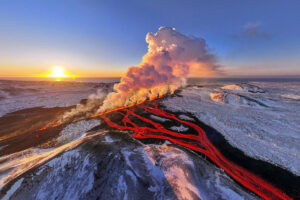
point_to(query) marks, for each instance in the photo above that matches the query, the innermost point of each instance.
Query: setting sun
(58, 72)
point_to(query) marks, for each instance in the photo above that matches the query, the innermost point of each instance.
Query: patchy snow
(128, 170)
(160, 119)
(246, 87)
(250, 121)
(18, 163)
(291, 96)
(190, 177)
(61, 165)
(218, 97)
(180, 128)
(236, 99)
(13, 189)
(76, 130)
(232, 87)
(108, 139)
(185, 117)
(17, 95)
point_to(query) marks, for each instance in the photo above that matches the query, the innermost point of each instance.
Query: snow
(16, 164)
(240, 87)
(190, 177)
(232, 87)
(180, 128)
(13, 189)
(157, 118)
(108, 139)
(250, 121)
(185, 117)
(218, 97)
(291, 96)
(125, 170)
(17, 95)
(257, 117)
(76, 130)
(61, 165)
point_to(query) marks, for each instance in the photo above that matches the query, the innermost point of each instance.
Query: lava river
(196, 140)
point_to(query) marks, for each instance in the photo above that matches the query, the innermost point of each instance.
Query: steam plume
(92, 104)
(171, 57)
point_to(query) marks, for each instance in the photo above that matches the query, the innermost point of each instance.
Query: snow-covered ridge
(291, 96)
(126, 170)
(246, 87)
(235, 99)
(218, 97)
(70, 137)
(237, 94)
(76, 130)
(232, 87)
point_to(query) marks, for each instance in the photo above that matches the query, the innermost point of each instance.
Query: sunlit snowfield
(85, 160)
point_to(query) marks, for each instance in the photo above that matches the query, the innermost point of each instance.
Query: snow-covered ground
(261, 118)
(115, 166)
(76, 130)
(17, 95)
(16, 164)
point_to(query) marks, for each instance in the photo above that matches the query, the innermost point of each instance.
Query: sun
(58, 72)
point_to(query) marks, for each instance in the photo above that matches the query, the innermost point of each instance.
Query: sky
(92, 38)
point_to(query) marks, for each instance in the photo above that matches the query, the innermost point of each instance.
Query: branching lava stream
(197, 142)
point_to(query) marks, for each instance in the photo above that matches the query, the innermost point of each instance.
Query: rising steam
(171, 57)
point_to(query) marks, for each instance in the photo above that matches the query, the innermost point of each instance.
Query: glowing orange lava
(199, 143)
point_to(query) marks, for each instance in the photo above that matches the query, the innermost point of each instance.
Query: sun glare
(58, 72)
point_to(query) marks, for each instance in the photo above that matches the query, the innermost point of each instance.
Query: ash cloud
(171, 57)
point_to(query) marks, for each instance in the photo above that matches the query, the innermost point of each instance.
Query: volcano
(166, 154)
(135, 119)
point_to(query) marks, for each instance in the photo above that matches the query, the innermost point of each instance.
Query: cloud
(171, 57)
(251, 30)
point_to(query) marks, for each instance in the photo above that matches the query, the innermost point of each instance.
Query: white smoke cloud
(171, 57)
(93, 102)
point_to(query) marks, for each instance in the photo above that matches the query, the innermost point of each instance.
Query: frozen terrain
(259, 118)
(115, 166)
(87, 160)
(17, 95)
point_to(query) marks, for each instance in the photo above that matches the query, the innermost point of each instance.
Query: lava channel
(197, 142)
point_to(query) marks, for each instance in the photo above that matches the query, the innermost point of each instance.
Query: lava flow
(197, 142)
